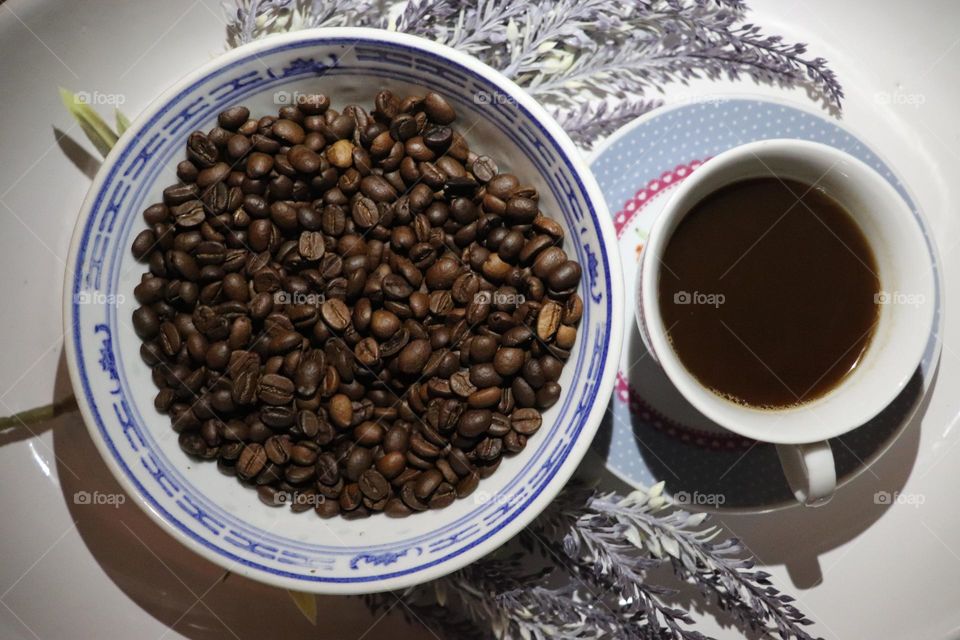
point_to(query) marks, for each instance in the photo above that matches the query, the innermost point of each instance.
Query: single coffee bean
(311, 245)
(564, 277)
(427, 483)
(358, 461)
(547, 395)
(232, 118)
(443, 496)
(409, 497)
(525, 421)
(251, 461)
(548, 320)
(351, 497)
(277, 449)
(368, 433)
(373, 485)
(485, 375)
(474, 422)
(438, 109)
(414, 356)
(288, 131)
(508, 361)
(336, 314)
(341, 411)
(468, 484)
(391, 464)
(275, 389)
(396, 508)
(484, 398)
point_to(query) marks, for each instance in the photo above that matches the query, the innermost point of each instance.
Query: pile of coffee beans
(352, 311)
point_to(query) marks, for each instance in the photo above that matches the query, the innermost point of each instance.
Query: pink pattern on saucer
(653, 189)
(624, 392)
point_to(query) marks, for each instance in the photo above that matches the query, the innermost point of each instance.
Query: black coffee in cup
(768, 291)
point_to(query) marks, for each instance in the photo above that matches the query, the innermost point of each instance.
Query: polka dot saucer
(654, 433)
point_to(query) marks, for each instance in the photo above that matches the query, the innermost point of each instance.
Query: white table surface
(860, 570)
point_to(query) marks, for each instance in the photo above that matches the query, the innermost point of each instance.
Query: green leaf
(307, 603)
(634, 537)
(123, 122)
(98, 131)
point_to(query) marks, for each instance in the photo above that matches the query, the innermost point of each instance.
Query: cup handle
(810, 471)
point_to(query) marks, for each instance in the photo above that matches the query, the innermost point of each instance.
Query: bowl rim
(606, 377)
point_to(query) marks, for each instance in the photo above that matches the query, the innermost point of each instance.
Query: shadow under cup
(906, 298)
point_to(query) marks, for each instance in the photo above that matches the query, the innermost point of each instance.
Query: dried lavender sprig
(717, 567)
(593, 119)
(559, 49)
(426, 18)
(511, 599)
(252, 19)
(478, 27)
(600, 562)
(678, 41)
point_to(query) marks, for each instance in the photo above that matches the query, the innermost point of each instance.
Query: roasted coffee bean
(311, 245)
(444, 496)
(427, 483)
(396, 439)
(271, 496)
(438, 109)
(288, 131)
(233, 117)
(251, 461)
(564, 277)
(391, 464)
(396, 508)
(460, 384)
(485, 375)
(292, 290)
(188, 214)
(508, 361)
(275, 389)
(278, 417)
(351, 497)
(327, 508)
(423, 448)
(373, 485)
(409, 497)
(377, 189)
(336, 314)
(414, 356)
(368, 433)
(523, 394)
(341, 411)
(525, 421)
(146, 323)
(474, 422)
(358, 461)
(484, 398)
(468, 484)
(548, 320)
(326, 469)
(547, 395)
(277, 449)
(259, 164)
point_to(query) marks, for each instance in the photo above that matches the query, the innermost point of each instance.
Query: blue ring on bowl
(539, 479)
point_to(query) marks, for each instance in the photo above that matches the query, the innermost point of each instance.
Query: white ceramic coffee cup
(906, 305)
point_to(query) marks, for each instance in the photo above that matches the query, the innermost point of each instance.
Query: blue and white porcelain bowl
(211, 513)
